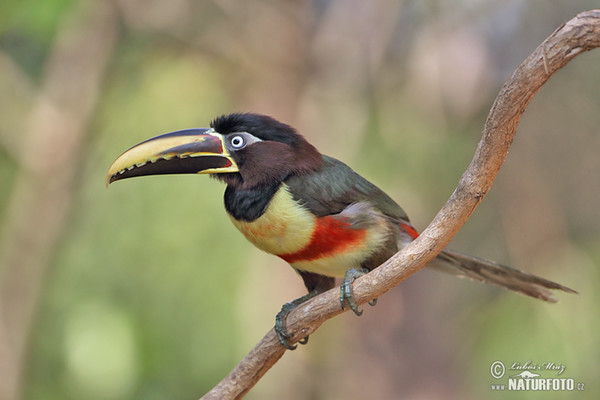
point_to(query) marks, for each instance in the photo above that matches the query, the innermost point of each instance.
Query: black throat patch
(248, 204)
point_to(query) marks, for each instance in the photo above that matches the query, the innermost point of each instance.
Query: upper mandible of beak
(189, 151)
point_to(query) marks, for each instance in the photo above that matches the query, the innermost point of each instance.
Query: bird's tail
(497, 274)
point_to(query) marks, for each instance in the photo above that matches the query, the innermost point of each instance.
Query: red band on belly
(331, 236)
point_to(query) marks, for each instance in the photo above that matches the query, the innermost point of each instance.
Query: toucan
(309, 209)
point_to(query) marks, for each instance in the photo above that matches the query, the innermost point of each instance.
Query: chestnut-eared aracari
(309, 209)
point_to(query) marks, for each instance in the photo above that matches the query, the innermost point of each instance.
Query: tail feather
(488, 271)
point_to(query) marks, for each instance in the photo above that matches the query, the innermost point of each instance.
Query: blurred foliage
(150, 292)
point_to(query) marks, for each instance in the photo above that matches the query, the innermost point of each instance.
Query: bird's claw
(280, 318)
(280, 328)
(346, 295)
(304, 340)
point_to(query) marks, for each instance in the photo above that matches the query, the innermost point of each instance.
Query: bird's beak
(190, 151)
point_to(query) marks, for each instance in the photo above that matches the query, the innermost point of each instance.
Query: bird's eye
(237, 142)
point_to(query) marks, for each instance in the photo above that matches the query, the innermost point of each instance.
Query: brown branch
(580, 34)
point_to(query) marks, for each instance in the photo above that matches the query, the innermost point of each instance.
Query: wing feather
(336, 186)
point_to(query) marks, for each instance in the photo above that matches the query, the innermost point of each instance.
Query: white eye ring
(237, 142)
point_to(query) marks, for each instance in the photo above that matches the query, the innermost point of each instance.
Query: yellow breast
(285, 227)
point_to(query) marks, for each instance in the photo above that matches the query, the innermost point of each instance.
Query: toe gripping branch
(280, 321)
(346, 296)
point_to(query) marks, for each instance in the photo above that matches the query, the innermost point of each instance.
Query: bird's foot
(346, 295)
(280, 321)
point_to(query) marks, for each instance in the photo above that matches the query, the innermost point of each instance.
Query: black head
(244, 150)
(266, 151)
(261, 126)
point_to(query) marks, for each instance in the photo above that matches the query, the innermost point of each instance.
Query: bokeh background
(147, 291)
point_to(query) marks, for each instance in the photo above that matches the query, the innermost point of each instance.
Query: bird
(311, 210)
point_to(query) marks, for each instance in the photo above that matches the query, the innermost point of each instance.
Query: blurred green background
(147, 291)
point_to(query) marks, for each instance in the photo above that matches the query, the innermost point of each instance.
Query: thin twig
(580, 34)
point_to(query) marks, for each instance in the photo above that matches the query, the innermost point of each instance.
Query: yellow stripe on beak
(190, 151)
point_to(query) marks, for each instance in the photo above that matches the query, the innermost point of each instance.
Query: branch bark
(580, 34)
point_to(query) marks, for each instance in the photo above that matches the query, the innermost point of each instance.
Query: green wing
(336, 186)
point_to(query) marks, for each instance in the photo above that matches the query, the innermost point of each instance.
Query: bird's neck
(249, 204)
